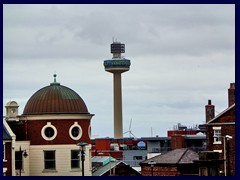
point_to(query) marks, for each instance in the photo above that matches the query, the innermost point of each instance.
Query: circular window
(49, 132)
(75, 131)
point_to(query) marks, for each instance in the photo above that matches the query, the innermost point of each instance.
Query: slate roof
(6, 134)
(103, 169)
(176, 156)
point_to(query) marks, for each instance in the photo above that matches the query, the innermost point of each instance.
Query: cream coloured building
(55, 119)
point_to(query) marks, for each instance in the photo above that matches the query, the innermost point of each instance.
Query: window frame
(4, 152)
(48, 125)
(73, 159)
(18, 162)
(49, 160)
(80, 131)
(217, 135)
(137, 158)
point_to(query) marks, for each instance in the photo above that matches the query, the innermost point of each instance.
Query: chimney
(231, 94)
(210, 111)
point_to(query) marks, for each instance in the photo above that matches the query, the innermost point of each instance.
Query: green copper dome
(55, 99)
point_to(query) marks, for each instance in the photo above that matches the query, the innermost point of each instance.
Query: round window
(75, 131)
(49, 132)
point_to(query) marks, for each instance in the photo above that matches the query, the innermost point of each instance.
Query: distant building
(55, 119)
(180, 129)
(133, 151)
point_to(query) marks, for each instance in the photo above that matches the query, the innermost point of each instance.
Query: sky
(181, 56)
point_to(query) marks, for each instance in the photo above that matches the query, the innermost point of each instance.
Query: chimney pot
(231, 94)
(232, 85)
(210, 111)
(209, 102)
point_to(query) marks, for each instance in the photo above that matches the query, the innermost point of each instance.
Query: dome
(55, 99)
(12, 104)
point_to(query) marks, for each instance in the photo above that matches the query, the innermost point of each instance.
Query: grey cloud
(178, 55)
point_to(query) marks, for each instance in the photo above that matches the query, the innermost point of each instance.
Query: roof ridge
(221, 113)
(182, 155)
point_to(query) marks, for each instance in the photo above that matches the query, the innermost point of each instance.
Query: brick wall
(226, 129)
(33, 131)
(160, 171)
(177, 142)
(8, 164)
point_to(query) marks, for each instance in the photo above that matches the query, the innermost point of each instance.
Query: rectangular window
(18, 160)
(137, 158)
(203, 171)
(4, 156)
(49, 160)
(75, 163)
(217, 137)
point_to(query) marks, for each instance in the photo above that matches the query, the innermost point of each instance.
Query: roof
(103, 160)
(221, 114)
(176, 156)
(203, 136)
(7, 132)
(113, 164)
(12, 104)
(55, 99)
(6, 135)
(103, 169)
(155, 138)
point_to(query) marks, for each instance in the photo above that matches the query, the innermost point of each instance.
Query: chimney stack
(231, 94)
(210, 111)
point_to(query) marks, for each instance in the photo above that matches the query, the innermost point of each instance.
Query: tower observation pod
(117, 65)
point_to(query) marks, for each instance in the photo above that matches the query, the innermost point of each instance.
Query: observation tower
(117, 65)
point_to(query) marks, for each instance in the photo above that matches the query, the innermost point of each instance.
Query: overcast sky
(181, 56)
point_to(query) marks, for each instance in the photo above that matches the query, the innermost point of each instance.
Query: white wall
(63, 161)
(24, 146)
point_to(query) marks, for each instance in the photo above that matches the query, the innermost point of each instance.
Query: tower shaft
(117, 90)
(117, 65)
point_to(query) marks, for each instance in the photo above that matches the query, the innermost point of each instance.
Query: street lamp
(23, 154)
(82, 146)
(225, 155)
(228, 154)
(152, 163)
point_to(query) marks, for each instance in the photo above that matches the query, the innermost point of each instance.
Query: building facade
(221, 132)
(55, 119)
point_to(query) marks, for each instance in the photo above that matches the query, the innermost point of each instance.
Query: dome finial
(54, 81)
(55, 75)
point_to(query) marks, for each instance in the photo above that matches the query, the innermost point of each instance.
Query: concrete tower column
(117, 65)
(117, 90)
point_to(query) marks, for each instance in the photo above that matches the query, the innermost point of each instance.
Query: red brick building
(221, 132)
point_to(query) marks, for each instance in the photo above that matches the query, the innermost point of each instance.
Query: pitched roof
(176, 156)
(6, 135)
(113, 164)
(221, 114)
(7, 132)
